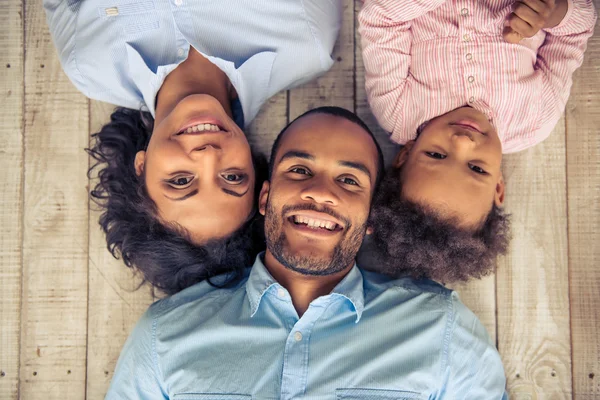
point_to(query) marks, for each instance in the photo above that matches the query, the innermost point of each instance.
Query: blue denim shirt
(120, 51)
(371, 338)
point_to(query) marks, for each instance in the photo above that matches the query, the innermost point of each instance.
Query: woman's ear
(140, 158)
(402, 155)
(263, 198)
(499, 195)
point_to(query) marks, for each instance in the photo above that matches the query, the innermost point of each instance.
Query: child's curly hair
(415, 240)
(163, 254)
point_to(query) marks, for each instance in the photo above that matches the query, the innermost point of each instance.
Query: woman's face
(198, 169)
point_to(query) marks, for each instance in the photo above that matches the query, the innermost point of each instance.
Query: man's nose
(319, 190)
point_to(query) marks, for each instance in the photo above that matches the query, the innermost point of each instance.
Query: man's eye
(437, 156)
(233, 177)
(181, 181)
(349, 181)
(477, 169)
(300, 170)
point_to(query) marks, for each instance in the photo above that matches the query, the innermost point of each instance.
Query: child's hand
(529, 16)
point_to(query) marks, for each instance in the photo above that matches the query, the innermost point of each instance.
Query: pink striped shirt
(424, 58)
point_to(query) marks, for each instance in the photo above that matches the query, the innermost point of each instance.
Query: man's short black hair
(338, 112)
(162, 253)
(414, 240)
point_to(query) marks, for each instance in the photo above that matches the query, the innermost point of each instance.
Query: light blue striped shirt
(371, 338)
(120, 51)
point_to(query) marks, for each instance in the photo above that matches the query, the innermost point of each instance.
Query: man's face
(317, 202)
(454, 167)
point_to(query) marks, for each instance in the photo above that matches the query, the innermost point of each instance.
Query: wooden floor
(66, 306)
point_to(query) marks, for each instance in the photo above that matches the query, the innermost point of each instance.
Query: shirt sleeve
(474, 368)
(386, 38)
(558, 58)
(137, 374)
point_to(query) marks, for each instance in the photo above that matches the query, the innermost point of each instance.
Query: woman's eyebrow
(190, 194)
(232, 193)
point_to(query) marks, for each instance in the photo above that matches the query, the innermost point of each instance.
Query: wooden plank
(362, 108)
(532, 280)
(583, 179)
(335, 88)
(11, 195)
(273, 117)
(114, 303)
(55, 229)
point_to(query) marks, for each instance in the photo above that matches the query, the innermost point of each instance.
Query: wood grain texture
(335, 88)
(55, 229)
(583, 190)
(114, 303)
(532, 280)
(273, 117)
(11, 196)
(362, 108)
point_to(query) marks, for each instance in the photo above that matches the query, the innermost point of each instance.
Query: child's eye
(180, 181)
(437, 156)
(300, 170)
(348, 181)
(477, 169)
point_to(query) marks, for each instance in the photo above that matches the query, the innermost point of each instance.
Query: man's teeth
(315, 223)
(203, 128)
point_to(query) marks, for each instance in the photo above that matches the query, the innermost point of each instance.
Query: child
(459, 83)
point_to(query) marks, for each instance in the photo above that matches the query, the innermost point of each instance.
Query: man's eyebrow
(296, 154)
(190, 194)
(356, 165)
(232, 193)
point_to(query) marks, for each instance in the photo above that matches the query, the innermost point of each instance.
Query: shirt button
(471, 79)
(180, 52)
(471, 99)
(466, 37)
(297, 336)
(280, 292)
(464, 12)
(469, 56)
(178, 2)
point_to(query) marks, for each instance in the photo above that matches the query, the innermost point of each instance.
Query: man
(306, 322)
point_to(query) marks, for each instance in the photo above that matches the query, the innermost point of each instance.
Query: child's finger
(538, 6)
(520, 26)
(510, 36)
(524, 12)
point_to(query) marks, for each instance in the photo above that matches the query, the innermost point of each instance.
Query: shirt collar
(260, 281)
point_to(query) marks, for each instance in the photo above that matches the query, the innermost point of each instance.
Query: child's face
(454, 166)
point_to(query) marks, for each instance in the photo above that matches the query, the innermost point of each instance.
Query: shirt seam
(447, 335)
(156, 366)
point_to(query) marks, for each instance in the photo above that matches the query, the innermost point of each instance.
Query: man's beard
(343, 255)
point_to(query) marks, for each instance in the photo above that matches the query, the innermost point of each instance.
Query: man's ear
(263, 198)
(402, 155)
(499, 195)
(140, 158)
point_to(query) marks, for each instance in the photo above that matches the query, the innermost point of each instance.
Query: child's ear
(263, 198)
(402, 155)
(499, 195)
(140, 158)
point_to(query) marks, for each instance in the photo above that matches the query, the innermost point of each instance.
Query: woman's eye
(437, 156)
(477, 169)
(233, 177)
(300, 170)
(181, 181)
(349, 181)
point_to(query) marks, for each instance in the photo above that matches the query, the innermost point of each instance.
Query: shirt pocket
(375, 394)
(211, 396)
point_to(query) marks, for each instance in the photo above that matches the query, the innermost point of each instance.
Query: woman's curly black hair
(413, 240)
(163, 254)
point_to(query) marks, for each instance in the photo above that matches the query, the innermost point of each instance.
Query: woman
(178, 181)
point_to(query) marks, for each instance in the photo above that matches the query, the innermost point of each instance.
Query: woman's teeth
(315, 223)
(203, 128)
